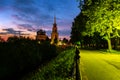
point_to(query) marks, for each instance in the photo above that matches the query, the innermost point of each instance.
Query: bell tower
(54, 34)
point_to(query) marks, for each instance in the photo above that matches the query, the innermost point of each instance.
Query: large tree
(103, 17)
(78, 27)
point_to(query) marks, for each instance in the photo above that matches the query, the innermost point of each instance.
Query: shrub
(19, 56)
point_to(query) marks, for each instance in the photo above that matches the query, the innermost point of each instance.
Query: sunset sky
(25, 17)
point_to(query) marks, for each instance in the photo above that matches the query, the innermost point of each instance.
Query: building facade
(41, 35)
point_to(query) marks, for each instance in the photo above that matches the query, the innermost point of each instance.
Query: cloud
(49, 6)
(10, 31)
(3, 33)
(25, 11)
(5, 5)
(33, 14)
(41, 12)
(28, 27)
(64, 32)
(24, 34)
(31, 11)
(24, 2)
(17, 17)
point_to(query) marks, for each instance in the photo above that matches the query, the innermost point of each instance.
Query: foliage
(78, 27)
(79, 34)
(65, 40)
(18, 56)
(103, 16)
(58, 69)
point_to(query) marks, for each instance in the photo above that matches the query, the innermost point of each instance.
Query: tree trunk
(116, 43)
(109, 44)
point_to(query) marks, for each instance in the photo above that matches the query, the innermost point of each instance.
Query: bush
(59, 68)
(19, 56)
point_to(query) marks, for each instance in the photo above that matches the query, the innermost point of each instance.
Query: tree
(65, 40)
(1, 39)
(77, 28)
(103, 17)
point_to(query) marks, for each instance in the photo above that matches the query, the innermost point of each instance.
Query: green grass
(112, 51)
(100, 66)
(57, 69)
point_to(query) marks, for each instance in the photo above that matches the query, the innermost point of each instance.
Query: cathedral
(41, 35)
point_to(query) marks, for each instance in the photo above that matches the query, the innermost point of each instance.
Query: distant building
(54, 34)
(41, 35)
(1, 39)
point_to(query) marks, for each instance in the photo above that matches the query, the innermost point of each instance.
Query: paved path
(95, 65)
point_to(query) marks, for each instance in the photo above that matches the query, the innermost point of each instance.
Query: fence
(76, 69)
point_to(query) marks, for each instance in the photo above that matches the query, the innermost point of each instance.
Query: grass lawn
(95, 65)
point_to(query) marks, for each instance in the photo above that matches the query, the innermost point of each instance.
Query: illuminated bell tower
(54, 34)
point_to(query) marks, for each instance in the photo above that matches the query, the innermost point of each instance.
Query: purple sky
(27, 16)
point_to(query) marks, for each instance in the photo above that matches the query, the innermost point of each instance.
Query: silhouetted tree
(78, 27)
(65, 40)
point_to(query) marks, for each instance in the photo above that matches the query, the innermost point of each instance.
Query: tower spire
(54, 19)
(54, 34)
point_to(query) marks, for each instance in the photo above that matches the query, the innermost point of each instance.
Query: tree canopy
(103, 17)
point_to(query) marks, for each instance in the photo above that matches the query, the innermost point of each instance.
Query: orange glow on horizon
(31, 35)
